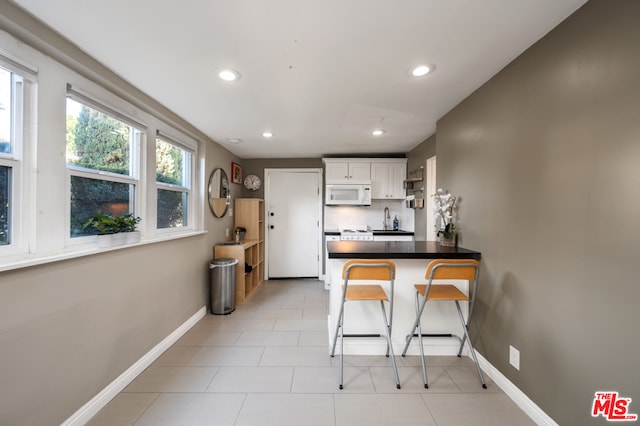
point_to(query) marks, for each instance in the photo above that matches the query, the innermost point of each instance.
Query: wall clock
(252, 183)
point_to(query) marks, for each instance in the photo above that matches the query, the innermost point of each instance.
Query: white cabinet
(347, 171)
(327, 264)
(387, 180)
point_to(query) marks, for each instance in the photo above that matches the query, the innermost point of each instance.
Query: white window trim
(188, 145)
(17, 159)
(95, 102)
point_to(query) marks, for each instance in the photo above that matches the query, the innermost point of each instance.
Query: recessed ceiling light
(267, 134)
(234, 140)
(378, 132)
(229, 75)
(421, 70)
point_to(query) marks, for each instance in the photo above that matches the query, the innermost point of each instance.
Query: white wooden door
(293, 206)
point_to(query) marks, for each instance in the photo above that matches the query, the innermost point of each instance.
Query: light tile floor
(267, 363)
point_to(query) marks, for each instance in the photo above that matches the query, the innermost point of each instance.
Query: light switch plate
(514, 357)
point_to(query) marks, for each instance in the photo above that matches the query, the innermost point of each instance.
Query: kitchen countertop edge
(397, 250)
(400, 232)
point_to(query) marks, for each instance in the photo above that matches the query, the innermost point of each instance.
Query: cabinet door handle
(271, 227)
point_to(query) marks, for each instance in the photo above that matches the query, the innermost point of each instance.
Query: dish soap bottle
(395, 223)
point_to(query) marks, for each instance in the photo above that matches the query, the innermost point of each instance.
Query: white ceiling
(321, 75)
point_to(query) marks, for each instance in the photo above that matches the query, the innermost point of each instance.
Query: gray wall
(545, 158)
(69, 328)
(257, 166)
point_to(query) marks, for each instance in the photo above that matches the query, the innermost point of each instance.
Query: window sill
(34, 259)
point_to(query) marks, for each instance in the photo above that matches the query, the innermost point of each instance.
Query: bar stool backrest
(369, 269)
(453, 269)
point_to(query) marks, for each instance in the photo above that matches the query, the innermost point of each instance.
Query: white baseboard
(529, 407)
(91, 408)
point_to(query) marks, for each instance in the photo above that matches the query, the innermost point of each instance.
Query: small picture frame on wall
(236, 173)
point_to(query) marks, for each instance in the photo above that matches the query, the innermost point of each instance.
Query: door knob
(271, 214)
(271, 227)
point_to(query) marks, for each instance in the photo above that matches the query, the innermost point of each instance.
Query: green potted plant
(103, 223)
(112, 231)
(127, 224)
(444, 203)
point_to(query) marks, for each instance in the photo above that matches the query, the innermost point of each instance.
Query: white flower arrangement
(443, 205)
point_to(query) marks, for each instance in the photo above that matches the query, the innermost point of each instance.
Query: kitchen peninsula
(411, 259)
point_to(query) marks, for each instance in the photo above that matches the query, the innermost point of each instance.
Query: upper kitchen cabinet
(387, 179)
(347, 170)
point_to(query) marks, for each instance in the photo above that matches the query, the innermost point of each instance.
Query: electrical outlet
(226, 232)
(514, 357)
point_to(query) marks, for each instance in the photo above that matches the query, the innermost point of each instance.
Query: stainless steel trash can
(222, 280)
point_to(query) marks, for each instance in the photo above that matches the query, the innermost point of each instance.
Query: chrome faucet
(386, 216)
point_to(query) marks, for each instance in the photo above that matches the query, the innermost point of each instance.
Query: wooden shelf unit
(249, 214)
(246, 253)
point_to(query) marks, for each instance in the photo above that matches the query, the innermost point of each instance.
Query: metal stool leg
(413, 330)
(340, 331)
(342, 357)
(418, 327)
(390, 320)
(423, 363)
(387, 329)
(473, 353)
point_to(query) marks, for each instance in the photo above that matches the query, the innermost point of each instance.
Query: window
(103, 162)
(11, 119)
(174, 165)
(6, 96)
(5, 204)
(107, 164)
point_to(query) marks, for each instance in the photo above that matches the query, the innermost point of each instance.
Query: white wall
(349, 216)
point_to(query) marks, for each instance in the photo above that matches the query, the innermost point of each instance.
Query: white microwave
(345, 194)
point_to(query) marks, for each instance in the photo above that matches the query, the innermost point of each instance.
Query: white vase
(111, 240)
(119, 239)
(132, 237)
(105, 240)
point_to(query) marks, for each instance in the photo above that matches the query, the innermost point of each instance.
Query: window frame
(23, 88)
(189, 173)
(136, 149)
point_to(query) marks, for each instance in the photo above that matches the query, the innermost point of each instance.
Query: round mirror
(219, 194)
